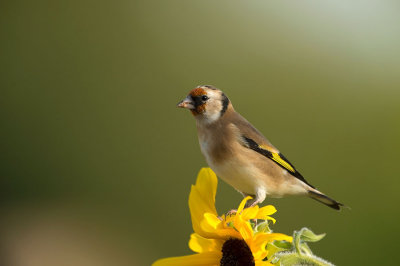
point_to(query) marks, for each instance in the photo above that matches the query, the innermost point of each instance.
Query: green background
(97, 162)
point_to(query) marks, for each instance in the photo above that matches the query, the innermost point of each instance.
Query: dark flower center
(235, 252)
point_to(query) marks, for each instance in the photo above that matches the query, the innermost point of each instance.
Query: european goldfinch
(240, 155)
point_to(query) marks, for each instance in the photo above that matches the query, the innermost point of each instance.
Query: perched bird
(240, 155)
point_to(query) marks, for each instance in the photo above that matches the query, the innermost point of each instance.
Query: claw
(231, 212)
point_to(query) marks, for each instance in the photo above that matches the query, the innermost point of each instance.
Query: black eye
(204, 98)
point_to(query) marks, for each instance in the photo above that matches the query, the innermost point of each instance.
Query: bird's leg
(231, 212)
(251, 203)
(258, 198)
(255, 199)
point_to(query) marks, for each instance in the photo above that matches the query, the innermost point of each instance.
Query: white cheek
(213, 112)
(212, 117)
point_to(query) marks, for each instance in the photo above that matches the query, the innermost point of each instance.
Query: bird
(240, 155)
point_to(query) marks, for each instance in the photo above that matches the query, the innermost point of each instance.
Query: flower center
(235, 252)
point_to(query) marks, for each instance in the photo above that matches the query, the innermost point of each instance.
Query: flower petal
(197, 207)
(241, 205)
(202, 259)
(263, 263)
(212, 220)
(200, 244)
(266, 210)
(212, 227)
(260, 240)
(246, 231)
(202, 198)
(244, 228)
(206, 184)
(250, 213)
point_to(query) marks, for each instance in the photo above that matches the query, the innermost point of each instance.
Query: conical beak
(186, 103)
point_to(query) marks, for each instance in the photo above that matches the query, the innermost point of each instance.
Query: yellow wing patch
(279, 160)
(271, 153)
(268, 148)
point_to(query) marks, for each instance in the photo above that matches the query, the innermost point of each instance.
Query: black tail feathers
(325, 200)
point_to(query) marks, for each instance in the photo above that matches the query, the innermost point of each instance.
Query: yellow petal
(263, 263)
(197, 208)
(268, 218)
(240, 224)
(209, 225)
(207, 179)
(250, 213)
(212, 227)
(241, 205)
(212, 220)
(202, 197)
(259, 255)
(279, 236)
(202, 259)
(200, 244)
(244, 229)
(260, 240)
(206, 184)
(266, 210)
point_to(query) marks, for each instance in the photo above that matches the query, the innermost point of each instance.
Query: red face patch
(197, 92)
(200, 106)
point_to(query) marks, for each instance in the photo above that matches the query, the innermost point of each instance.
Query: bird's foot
(228, 214)
(231, 212)
(251, 204)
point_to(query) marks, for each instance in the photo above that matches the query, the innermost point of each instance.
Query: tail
(318, 196)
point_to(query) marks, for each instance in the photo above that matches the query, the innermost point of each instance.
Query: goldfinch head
(206, 103)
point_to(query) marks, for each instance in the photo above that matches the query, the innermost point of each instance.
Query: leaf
(263, 227)
(283, 244)
(308, 236)
(278, 246)
(292, 258)
(306, 249)
(298, 252)
(305, 235)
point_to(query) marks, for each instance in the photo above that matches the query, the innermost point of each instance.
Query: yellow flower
(220, 240)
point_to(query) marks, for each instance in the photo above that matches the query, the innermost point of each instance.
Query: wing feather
(276, 157)
(254, 139)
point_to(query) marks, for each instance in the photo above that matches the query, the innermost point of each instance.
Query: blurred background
(97, 161)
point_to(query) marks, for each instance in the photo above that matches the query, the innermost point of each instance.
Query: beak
(186, 103)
